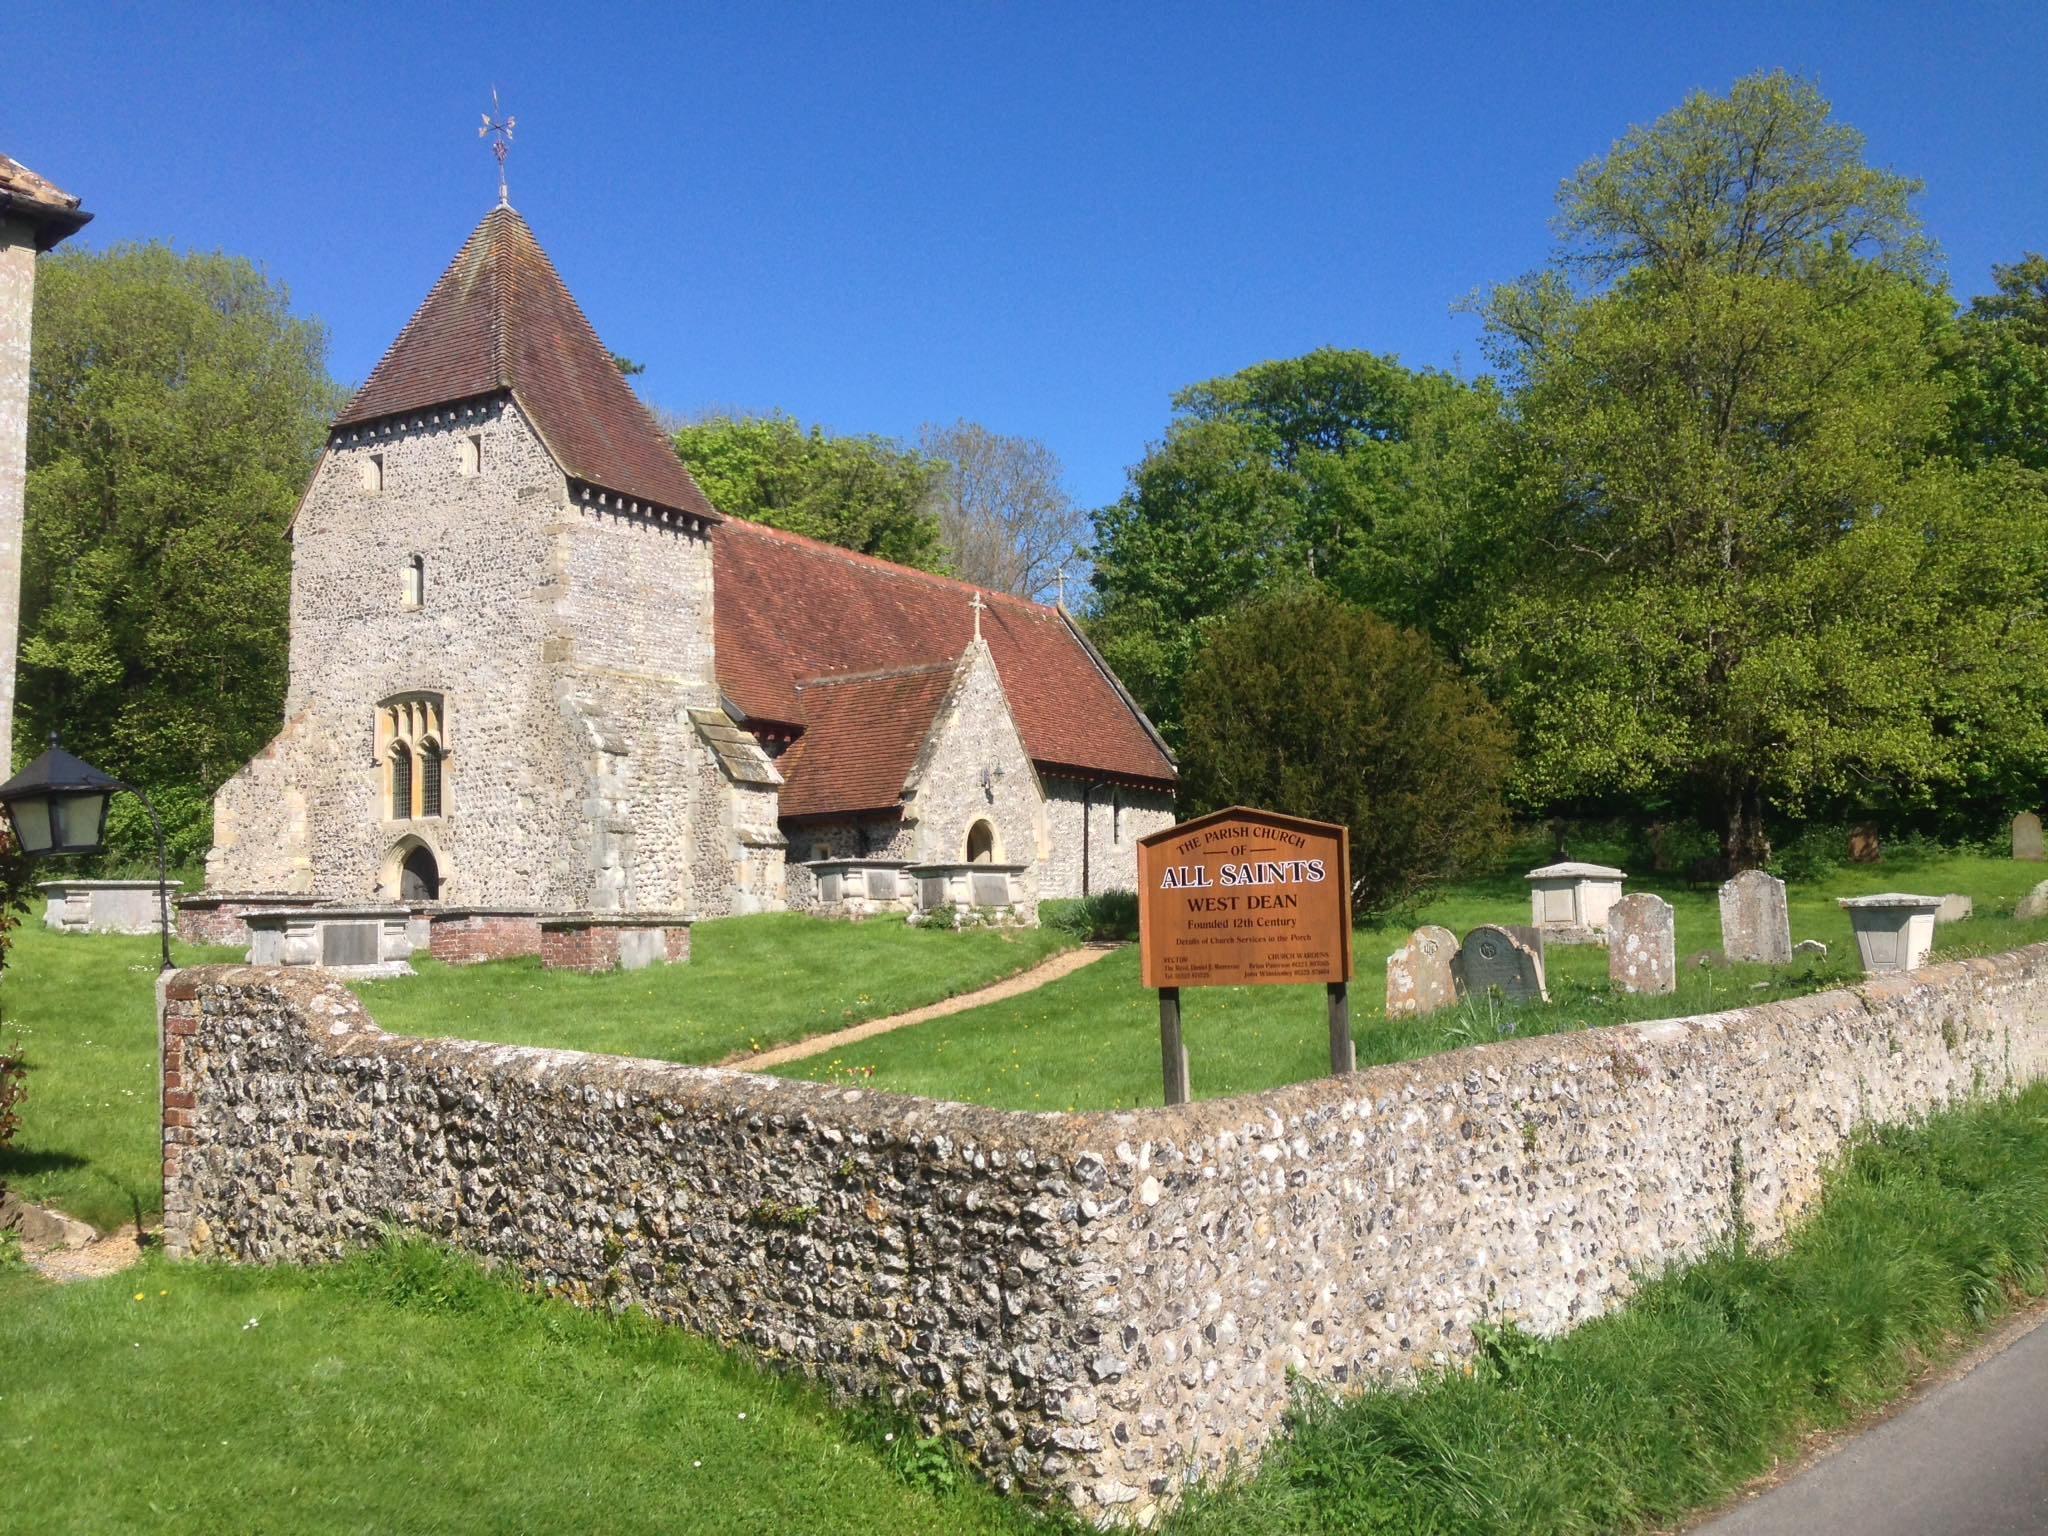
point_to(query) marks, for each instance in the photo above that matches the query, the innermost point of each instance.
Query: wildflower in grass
(138, 1295)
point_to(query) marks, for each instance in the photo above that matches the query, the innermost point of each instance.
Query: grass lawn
(407, 1391)
(752, 983)
(1091, 1041)
(83, 1009)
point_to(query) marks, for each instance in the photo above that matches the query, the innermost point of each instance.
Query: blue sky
(1044, 217)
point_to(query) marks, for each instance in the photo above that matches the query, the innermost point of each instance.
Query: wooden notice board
(1244, 897)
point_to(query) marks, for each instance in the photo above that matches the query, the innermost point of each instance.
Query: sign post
(1245, 898)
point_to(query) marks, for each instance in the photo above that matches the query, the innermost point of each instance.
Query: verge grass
(83, 1008)
(1091, 1040)
(1704, 1380)
(407, 1390)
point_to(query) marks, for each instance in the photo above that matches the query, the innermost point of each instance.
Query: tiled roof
(790, 609)
(500, 319)
(50, 211)
(861, 739)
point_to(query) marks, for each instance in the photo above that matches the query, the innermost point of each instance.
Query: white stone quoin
(1894, 931)
(1570, 901)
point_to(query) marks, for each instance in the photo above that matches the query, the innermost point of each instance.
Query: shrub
(1302, 704)
(1107, 917)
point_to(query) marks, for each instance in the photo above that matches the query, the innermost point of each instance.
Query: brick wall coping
(206, 901)
(52, 886)
(558, 921)
(268, 917)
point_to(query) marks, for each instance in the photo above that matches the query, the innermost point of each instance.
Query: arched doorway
(419, 877)
(981, 843)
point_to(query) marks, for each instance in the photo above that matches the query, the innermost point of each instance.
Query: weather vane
(500, 145)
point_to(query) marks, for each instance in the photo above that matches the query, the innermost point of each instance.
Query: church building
(534, 669)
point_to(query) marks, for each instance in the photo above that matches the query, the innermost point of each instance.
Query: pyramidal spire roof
(501, 319)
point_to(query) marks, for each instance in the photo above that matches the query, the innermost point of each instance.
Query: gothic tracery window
(412, 750)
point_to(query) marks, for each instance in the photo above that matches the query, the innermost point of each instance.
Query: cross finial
(978, 606)
(499, 145)
(1060, 576)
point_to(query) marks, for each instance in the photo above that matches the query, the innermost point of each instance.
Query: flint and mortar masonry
(1100, 1306)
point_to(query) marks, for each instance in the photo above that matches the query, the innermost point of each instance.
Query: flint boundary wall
(1101, 1307)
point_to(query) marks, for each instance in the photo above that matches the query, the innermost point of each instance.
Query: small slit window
(473, 453)
(401, 781)
(430, 778)
(1116, 816)
(373, 473)
(415, 580)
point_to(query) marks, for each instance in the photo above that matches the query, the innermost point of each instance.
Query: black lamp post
(58, 805)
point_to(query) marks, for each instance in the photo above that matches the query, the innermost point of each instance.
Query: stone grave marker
(1492, 959)
(1755, 926)
(1642, 944)
(1864, 844)
(1810, 949)
(2033, 904)
(2026, 837)
(1420, 978)
(1955, 908)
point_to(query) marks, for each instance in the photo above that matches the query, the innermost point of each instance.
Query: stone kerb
(1102, 1307)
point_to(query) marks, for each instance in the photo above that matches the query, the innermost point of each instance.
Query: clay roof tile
(501, 318)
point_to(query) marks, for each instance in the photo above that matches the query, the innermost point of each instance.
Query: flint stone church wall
(566, 642)
(1116, 818)
(1101, 1307)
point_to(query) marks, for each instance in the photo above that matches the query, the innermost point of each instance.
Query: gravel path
(1063, 964)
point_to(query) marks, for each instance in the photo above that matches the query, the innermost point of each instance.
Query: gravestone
(1954, 909)
(1642, 944)
(1420, 978)
(2034, 904)
(1809, 949)
(1494, 960)
(1864, 846)
(1755, 926)
(2026, 837)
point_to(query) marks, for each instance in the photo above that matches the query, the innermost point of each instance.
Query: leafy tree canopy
(1342, 469)
(869, 494)
(1744, 574)
(1301, 701)
(2001, 365)
(176, 410)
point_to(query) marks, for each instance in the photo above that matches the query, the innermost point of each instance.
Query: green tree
(2001, 367)
(1339, 468)
(1302, 703)
(177, 408)
(869, 494)
(1745, 580)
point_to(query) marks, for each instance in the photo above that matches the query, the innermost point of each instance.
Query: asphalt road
(1968, 1459)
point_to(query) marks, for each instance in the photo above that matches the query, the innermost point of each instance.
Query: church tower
(503, 681)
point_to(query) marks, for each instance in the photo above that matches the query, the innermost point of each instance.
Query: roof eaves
(1122, 692)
